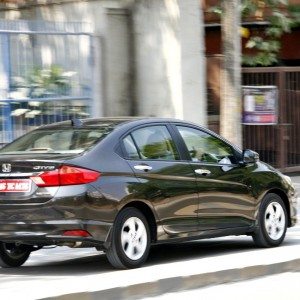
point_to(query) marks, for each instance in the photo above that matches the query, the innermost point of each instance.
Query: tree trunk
(230, 110)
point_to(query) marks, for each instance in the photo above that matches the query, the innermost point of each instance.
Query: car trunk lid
(16, 184)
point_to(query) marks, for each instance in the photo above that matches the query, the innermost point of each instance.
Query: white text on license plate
(15, 185)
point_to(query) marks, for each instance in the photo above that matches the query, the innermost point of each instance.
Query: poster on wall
(260, 105)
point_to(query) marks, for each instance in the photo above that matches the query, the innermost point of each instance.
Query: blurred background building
(88, 58)
(277, 144)
(70, 58)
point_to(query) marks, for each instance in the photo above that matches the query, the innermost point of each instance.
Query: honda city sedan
(124, 184)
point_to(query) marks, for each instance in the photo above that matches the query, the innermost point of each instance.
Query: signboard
(260, 105)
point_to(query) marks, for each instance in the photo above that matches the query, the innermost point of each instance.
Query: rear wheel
(272, 222)
(12, 255)
(130, 242)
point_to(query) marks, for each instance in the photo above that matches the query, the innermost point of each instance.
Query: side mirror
(250, 156)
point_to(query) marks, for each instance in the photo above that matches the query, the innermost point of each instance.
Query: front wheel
(130, 242)
(272, 222)
(12, 255)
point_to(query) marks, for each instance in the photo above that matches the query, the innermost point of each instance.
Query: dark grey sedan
(123, 184)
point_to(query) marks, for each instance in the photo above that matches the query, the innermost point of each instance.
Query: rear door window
(152, 142)
(130, 148)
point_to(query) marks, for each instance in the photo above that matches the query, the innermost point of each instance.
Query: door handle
(145, 168)
(202, 172)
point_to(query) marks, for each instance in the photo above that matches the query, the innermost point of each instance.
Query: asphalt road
(61, 270)
(58, 271)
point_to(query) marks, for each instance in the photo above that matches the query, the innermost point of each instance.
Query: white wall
(107, 22)
(159, 66)
(117, 64)
(170, 65)
(193, 62)
(109, 26)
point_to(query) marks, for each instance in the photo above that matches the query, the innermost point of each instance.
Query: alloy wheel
(275, 221)
(134, 238)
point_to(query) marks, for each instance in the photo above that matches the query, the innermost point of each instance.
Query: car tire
(12, 256)
(272, 222)
(130, 240)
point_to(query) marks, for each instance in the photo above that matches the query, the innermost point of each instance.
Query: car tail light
(78, 232)
(65, 175)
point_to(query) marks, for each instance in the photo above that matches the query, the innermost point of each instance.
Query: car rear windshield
(58, 140)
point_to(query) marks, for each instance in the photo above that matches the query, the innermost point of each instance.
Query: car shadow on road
(198, 249)
(80, 265)
(44, 264)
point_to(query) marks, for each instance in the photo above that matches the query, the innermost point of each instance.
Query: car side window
(152, 142)
(205, 147)
(131, 151)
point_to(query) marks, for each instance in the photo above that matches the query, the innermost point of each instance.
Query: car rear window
(64, 140)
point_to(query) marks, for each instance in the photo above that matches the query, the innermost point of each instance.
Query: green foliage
(267, 43)
(249, 7)
(216, 9)
(294, 11)
(260, 59)
(275, 32)
(44, 82)
(264, 46)
(280, 21)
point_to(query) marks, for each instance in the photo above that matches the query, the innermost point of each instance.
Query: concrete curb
(175, 284)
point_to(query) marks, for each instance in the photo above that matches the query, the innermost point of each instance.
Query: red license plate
(15, 185)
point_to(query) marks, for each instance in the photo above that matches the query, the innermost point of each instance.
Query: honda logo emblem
(6, 168)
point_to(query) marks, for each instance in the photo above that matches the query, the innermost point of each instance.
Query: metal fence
(278, 144)
(19, 117)
(45, 74)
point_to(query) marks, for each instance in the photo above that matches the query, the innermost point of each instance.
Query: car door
(165, 180)
(225, 200)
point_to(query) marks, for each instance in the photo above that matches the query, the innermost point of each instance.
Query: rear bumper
(40, 221)
(51, 232)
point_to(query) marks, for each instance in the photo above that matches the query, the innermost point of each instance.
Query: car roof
(94, 122)
(127, 123)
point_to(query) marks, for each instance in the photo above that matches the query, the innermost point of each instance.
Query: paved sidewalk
(275, 287)
(192, 274)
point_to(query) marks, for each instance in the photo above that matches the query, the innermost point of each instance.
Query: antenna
(76, 122)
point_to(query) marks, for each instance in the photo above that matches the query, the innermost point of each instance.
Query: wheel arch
(146, 210)
(285, 200)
